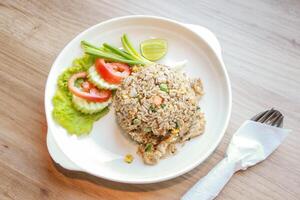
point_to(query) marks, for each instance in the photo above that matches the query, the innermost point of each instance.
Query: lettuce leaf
(64, 113)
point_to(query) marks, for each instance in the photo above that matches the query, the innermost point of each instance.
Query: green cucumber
(97, 80)
(87, 107)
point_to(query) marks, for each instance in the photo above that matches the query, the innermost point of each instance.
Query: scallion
(148, 147)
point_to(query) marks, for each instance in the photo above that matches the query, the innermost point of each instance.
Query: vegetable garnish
(130, 49)
(89, 107)
(99, 52)
(95, 78)
(108, 52)
(115, 50)
(64, 112)
(113, 73)
(86, 86)
(154, 49)
(90, 94)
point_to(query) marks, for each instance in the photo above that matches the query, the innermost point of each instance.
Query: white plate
(102, 152)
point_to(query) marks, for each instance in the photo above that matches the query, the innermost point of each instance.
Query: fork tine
(278, 122)
(273, 120)
(258, 116)
(273, 116)
(265, 116)
(281, 122)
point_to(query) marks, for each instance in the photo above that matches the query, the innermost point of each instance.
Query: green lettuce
(64, 113)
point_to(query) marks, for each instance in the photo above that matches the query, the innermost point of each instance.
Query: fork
(271, 117)
(251, 144)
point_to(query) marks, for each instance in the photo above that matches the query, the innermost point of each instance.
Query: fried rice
(158, 108)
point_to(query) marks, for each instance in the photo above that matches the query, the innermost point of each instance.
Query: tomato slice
(88, 91)
(114, 72)
(87, 86)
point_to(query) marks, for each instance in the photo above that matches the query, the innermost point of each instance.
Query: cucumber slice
(97, 80)
(87, 107)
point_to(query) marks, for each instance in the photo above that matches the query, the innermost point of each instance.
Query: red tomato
(113, 73)
(86, 86)
(88, 92)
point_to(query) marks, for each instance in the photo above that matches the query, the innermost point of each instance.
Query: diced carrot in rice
(157, 100)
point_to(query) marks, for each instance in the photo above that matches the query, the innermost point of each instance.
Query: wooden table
(261, 46)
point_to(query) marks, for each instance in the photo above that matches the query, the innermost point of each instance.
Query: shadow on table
(124, 186)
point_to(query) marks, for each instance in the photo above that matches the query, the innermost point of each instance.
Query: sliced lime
(154, 49)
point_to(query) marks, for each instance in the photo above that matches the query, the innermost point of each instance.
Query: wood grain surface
(261, 47)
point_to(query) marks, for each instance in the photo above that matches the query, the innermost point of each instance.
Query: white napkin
(251, 144)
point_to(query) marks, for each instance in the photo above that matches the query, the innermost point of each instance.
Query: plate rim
(185, 169)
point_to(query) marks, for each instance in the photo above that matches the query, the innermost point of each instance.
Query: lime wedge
(154, 49)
